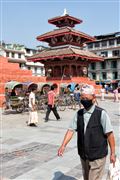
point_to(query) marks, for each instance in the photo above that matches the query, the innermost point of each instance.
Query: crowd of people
(51, 94)
(104, 90)
(91, 123)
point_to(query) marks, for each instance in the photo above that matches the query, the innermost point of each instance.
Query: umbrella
(72, 86)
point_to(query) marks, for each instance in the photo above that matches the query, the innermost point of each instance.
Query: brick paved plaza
(30, 153)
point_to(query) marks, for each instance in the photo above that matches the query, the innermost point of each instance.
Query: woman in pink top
(51, 104)
(116, 99)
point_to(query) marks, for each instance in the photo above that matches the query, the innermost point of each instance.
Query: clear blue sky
(23, 20)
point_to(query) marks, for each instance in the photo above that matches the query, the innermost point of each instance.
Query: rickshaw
(16, 101)
(41, 97)
(27, 87)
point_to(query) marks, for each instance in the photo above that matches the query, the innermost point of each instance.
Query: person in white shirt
(33, 116)
(102, 94)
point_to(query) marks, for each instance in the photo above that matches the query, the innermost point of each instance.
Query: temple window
(73, 70)
(79, 71)
(65, 71)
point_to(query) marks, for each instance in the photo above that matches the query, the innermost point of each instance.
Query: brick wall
(11, 71)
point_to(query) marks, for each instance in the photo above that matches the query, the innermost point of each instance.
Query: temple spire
(65, 12)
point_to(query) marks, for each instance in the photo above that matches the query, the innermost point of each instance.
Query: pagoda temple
(65, 59)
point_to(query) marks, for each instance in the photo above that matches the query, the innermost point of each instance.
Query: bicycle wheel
(20, 108)
(61, 106)
(43, 108)
(70, 104)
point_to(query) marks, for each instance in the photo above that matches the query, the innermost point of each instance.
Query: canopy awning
(12, 84)
(27, 85)
(40, 85)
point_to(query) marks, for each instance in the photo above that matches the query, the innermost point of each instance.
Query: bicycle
(60, 104)
(42, 105)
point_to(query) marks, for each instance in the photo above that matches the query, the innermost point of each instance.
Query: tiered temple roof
(60, 21)
(65, 52)
(63, 31)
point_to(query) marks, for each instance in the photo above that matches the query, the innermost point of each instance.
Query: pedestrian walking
(94, 133)
(77, 97)
(116, 94)
(51, 104)
(106, 88)
(102, 94)
(33, 116)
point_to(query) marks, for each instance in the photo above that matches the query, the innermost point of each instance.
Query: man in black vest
(94, 133)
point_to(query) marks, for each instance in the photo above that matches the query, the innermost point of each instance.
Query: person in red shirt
(51, 104)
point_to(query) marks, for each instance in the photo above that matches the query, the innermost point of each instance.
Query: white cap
(87, 89)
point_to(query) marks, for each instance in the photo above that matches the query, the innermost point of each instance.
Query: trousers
(93, 170)
(54, 110)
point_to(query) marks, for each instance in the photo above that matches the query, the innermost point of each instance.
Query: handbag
(114, 172)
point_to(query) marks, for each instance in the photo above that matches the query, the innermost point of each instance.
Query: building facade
(107, 46)
(17, 53)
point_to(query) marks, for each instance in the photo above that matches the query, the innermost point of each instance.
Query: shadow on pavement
(7, 112)
(60, 176)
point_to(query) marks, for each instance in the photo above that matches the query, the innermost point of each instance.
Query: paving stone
(11, 141)
(13, 172)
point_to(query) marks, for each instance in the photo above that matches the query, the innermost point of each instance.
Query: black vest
(93, 144)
